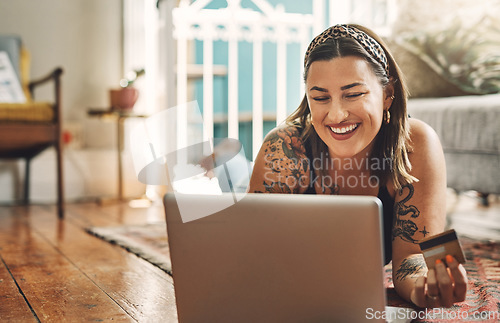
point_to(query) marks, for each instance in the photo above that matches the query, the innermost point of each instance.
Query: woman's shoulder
(421, 134)
(285, 141)
(426, 152)
(283, 131)
(282, 165)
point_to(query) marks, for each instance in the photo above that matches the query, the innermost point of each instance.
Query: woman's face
(347, 102)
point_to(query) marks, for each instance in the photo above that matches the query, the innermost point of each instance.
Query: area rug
(483, 267)
(482, 303)
(147, 241)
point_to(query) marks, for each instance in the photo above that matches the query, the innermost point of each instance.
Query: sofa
(469, 129)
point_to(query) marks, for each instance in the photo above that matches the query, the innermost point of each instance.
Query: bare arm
(420, 211)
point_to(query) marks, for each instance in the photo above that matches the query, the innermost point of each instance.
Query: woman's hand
(442, 286)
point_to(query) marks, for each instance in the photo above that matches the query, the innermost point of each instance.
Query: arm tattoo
(277, 187)
(284, 151)
(403, 225)
(333, 190)
(410, 267)
(291, 143)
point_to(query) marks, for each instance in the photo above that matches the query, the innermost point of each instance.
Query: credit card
(440, 245)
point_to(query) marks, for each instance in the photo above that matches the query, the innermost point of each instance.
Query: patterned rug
(483, 294)
(483, 267)
(147, 241)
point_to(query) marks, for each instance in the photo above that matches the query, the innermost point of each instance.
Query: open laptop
(276, 258)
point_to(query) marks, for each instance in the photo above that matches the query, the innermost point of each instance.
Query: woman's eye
(320, 99)
(354, 95)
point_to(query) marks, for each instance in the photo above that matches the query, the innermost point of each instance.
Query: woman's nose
(336, 113)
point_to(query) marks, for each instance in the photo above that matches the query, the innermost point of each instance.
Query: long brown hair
(392, 141)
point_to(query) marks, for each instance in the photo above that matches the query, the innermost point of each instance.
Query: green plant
(131, 77)
(468, 56)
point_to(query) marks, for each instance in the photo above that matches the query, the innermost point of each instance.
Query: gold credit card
(440, 245)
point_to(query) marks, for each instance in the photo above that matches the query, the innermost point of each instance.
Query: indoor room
(136, 134)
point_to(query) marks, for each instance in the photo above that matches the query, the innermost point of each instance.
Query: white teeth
(344, 129)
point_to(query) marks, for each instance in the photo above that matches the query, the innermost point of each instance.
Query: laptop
(276, 257)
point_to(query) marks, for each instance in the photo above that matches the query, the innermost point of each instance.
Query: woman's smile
(343, 131)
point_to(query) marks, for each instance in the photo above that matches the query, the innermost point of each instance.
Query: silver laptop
(276, 257)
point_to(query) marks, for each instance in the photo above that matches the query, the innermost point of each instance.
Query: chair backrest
(20, 59)
(12, 44)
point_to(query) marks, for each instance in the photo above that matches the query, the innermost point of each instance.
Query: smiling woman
(358, 96)
(351, 136)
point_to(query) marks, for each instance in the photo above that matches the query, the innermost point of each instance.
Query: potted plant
(125, 97)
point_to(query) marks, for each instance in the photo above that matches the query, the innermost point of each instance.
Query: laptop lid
(277, 258)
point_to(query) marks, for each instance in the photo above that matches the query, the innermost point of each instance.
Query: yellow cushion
(30, 112)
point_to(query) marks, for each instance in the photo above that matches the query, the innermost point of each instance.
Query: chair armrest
(54, 75)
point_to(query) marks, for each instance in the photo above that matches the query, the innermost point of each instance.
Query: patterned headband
(346, 31)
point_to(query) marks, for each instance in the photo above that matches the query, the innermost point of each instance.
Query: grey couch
(469, 129)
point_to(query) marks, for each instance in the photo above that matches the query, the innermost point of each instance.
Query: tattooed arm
(420, 211)
(281, 165)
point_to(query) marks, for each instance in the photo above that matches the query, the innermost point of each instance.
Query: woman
(351, 136)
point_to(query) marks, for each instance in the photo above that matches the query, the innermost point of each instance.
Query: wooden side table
(119, 116)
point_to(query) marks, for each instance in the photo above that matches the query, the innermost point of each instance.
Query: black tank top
(384, 197)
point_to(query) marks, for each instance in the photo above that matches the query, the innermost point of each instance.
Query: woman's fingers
(432, 285)
(445, 284)
(418, 295)
(442, 286)
(459, 276)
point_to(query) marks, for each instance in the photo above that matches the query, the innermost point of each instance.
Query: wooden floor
(53, 271)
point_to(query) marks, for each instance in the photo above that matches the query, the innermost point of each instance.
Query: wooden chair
(27, 129)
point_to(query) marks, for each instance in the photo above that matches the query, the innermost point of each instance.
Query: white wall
(84, 37)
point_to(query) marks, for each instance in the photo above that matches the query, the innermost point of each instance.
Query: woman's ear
(388, 94)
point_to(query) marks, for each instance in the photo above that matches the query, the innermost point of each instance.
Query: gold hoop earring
(387, 116)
